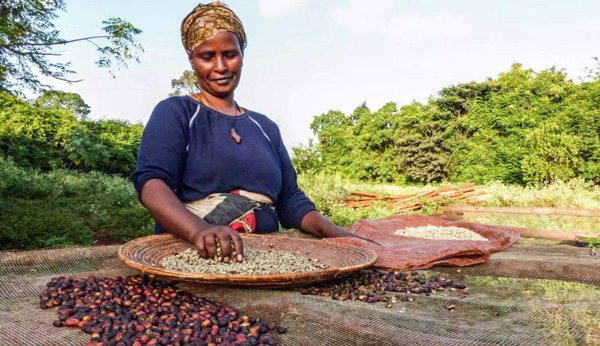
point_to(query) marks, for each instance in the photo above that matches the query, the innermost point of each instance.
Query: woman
(207, 168)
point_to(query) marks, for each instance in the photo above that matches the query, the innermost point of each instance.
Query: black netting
(542, 296)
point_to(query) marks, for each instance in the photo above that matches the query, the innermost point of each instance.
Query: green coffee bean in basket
(256, 262)
(440, 233)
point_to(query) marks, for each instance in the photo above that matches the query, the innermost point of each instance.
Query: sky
(306, 57)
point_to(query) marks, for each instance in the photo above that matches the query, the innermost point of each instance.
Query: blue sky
(305, 57)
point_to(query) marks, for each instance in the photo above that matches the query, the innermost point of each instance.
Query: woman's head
(214, 38)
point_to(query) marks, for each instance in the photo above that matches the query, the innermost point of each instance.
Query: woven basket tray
(146, 254)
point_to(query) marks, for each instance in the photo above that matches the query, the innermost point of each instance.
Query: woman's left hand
(342, 233)
(318, 225)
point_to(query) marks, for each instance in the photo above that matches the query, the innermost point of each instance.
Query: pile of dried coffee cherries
(138, 310)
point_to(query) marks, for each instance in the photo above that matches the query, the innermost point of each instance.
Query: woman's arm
(171, 214)
(321, 227)
(296, 210)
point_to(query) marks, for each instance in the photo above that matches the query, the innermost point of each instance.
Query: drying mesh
(506, 306)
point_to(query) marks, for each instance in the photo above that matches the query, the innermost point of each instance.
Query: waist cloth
(235, 209)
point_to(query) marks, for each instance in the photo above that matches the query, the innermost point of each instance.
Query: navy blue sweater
(187, 145)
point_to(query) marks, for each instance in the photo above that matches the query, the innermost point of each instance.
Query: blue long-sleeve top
(188, 146)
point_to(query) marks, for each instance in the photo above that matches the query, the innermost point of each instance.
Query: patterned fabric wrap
(234, 209)
(208, 20)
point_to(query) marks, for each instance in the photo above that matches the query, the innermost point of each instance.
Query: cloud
(278, 8)
(361, 17)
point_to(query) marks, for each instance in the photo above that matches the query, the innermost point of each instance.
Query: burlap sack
(406, 253)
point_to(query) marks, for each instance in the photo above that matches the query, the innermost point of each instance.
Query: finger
(211, 245)
(225, 243)
(238, 244)
(372, 241)
(199, 245)
(367, 239)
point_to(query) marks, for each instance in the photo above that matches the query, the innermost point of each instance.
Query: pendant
(234, 136)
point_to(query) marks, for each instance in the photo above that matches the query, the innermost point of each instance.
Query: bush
(523, 127)
(53, 133)
(126, 223)
(66, 208)
(554, 156)
(17, 182)
(575, 193)
(38, 224)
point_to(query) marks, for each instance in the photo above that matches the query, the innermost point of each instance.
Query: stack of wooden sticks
(468, 193)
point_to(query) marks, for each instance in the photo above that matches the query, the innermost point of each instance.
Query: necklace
(235, 137)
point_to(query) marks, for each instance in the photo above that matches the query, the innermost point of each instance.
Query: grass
(553, 223)
(329, 191)
(572, 194)
(62, 208)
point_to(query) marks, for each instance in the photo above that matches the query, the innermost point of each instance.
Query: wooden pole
(525, 210)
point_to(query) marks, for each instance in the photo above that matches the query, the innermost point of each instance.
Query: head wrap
(206, 21)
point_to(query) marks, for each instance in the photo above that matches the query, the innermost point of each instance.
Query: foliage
(36, 224)
(66, 208)
(575, 193)
(28, 39)
(56, 99)
(184, 85)
(306, 158)
(47, 134)
(122, 141)
(554, 155)
(524, 127)
(359, 146)
(421, 142)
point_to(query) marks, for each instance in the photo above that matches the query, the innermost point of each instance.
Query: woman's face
(218, 64)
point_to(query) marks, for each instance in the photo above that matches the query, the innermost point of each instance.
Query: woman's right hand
(170, 213)
(205, 241)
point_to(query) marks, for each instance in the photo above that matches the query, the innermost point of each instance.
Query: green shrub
(29, 153)
(554, 155)
(575, 193)
(523, 127)
(90, 203)
(125, 223)
(52, 133)
(17, 182)
(38, 224)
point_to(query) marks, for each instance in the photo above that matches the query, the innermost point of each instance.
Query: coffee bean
(256, 262)
(371, 285)
(142, 311)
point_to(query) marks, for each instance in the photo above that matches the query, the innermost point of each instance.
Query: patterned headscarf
(206, 21)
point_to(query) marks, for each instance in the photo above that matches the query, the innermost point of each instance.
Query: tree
(56, 99)
(523, 127)
(184, 85)
(306, 158)
(555, 155)
(421, 141)
(28, 40)
(41, 136)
